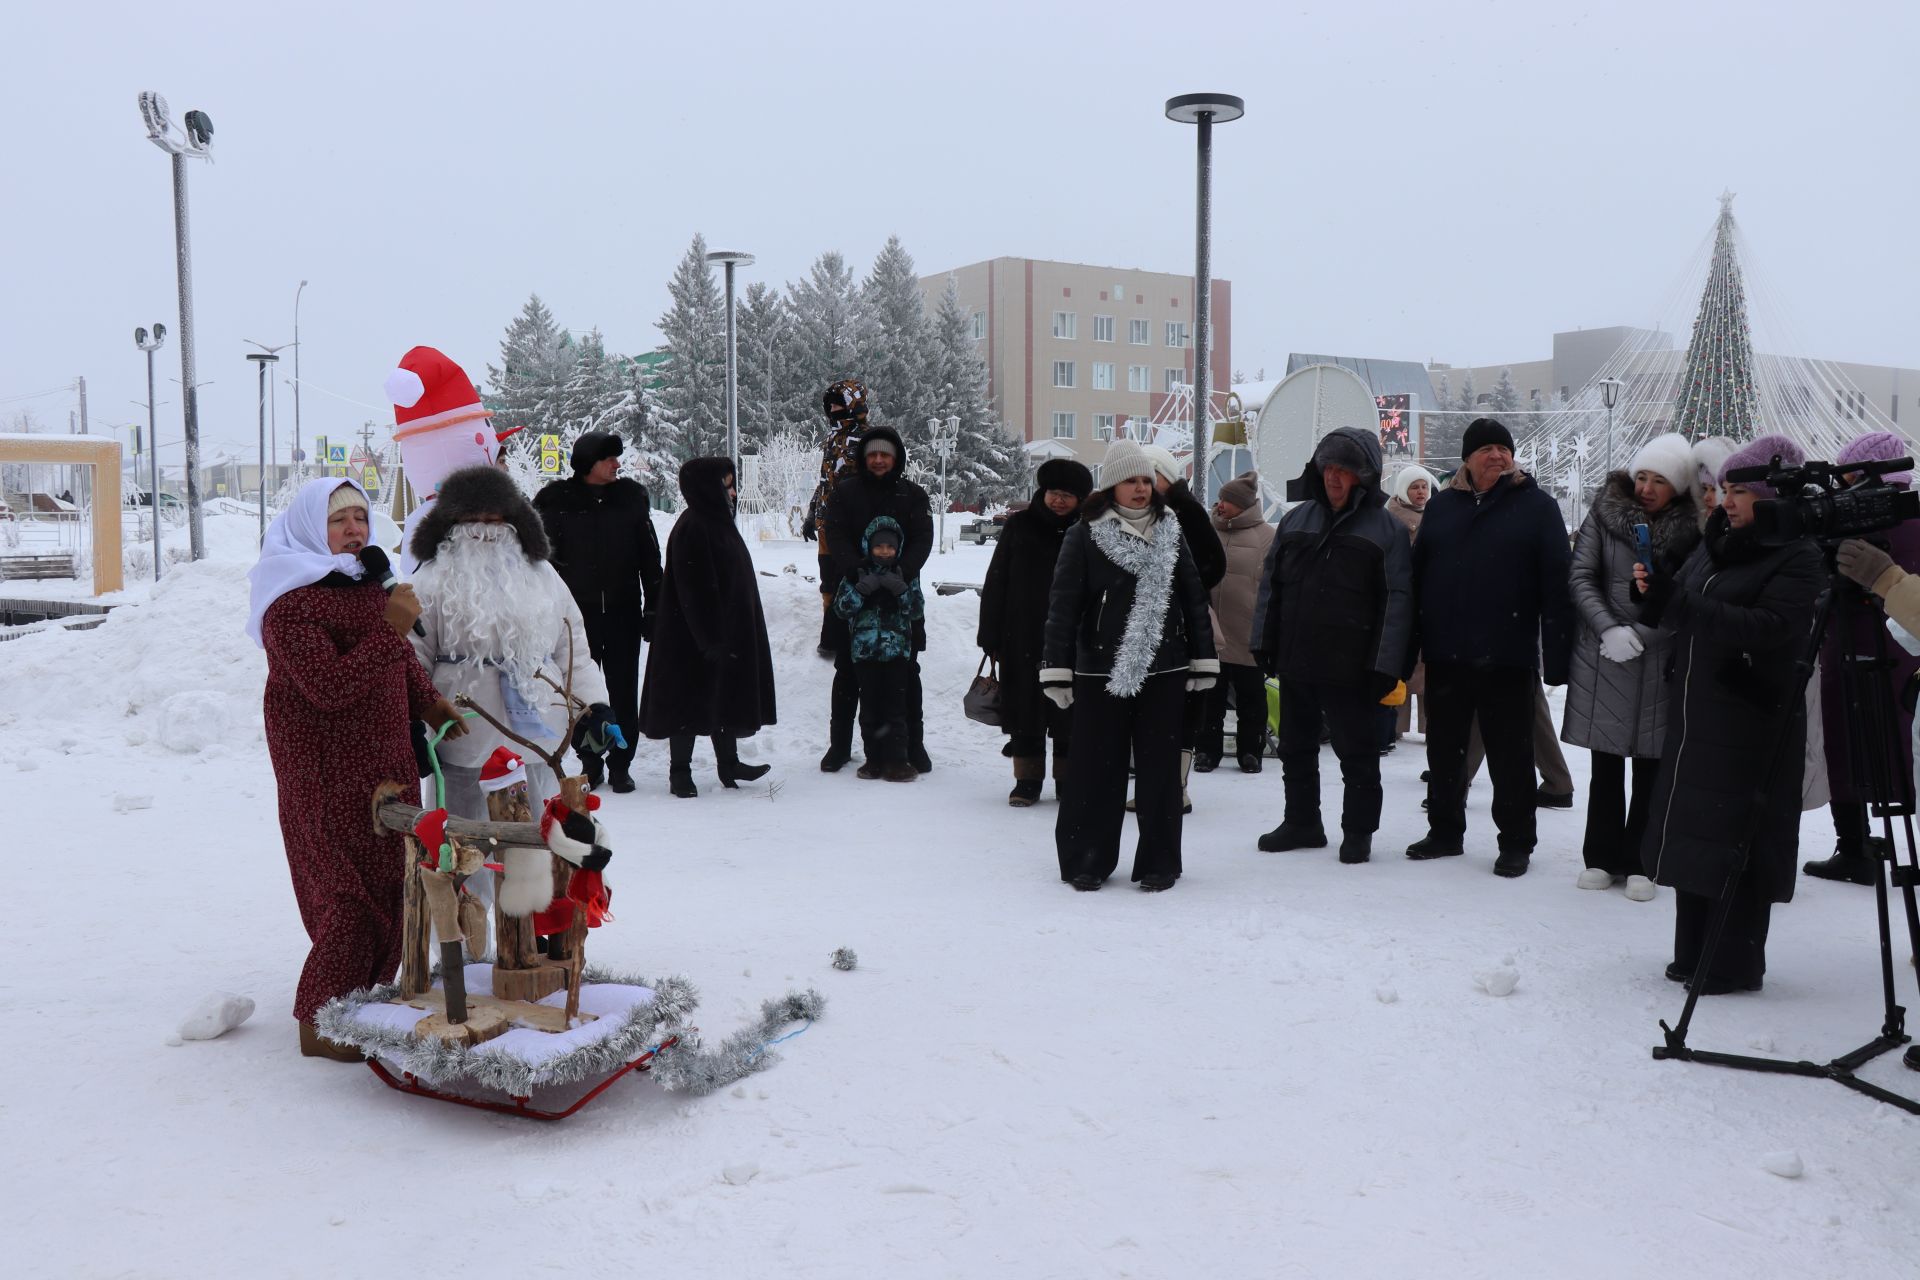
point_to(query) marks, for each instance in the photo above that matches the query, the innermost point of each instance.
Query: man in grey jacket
(1334, 621)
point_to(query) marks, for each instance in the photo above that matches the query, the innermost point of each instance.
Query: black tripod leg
(1676, 1045)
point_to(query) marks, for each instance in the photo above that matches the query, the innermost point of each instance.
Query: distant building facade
(1074, 353)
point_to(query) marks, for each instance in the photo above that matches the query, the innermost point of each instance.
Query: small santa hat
(502, 770)
(429, 391)
(431, 831)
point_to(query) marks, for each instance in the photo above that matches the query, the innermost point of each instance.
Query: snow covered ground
(1284, 1067)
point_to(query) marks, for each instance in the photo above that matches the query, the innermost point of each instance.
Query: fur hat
(1482, 432)
(1670, 457)
(1165, 465)
(1065, 474)
(1710, 453)
(1760, 453)
(349, 496)
(472, 492)
(1243, 491)
(594, 447)
(1125, 460)
(1403, 480)
(1878, 446)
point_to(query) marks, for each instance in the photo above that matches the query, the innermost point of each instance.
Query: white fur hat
(1125, 460)
(1164, 463)
(1403, 480)
(1670, 457)
(1710, 453)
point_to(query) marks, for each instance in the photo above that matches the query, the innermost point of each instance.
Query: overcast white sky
(1419, 180)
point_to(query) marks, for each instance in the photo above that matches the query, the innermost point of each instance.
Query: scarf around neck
(1150, 556)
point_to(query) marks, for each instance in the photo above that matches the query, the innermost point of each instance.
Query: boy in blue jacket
(881, 605)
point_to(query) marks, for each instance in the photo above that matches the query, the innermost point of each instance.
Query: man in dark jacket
(881, 488)
(605, 547)
(1334, 621)
(1490, 584)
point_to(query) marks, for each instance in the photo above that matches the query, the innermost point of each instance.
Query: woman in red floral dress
(343, 687)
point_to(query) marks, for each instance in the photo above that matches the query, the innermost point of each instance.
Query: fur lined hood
(477, 491)
(1674, 530)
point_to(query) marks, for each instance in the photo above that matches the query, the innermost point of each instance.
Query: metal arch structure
(103, 457)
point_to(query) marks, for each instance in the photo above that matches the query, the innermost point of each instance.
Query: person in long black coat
(1127, 639)
(1013, 623)
(880, 488)
(600, 525)
(710, 669)
(1743, 614)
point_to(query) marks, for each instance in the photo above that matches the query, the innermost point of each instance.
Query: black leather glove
(807, 532)
(594, 735)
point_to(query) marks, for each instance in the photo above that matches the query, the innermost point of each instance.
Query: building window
(1063, 426)
(1102, 376)
(1137, 332)
(1063, 373)
(1066, 324)
(1103, 328)
(1176, 333)
(1176, 378)
(1139, 377)
(1103, 426)
(979, 325)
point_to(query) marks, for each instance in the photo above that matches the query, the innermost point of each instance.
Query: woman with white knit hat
(1616, 690)
(1127, 639)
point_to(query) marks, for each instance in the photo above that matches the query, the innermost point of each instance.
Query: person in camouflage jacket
(881, 605)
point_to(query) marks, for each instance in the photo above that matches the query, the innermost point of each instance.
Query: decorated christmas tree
(1715, 396)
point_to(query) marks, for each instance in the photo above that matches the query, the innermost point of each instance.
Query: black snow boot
(1434, 846)
(1204, 762)
(1085, 882)
(680, 783)
(620, 779)
(1512, 863)
(1848, 865)
(1356, 846)
(1249, 764)
(1029, 772)
(595, 767)
(1156, 884)
(1294, 835)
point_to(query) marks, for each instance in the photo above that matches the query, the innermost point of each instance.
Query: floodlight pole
(263, 360)
(297, 437)
(1203, 110)
(151, 345)
(193, 141)
(729, 259)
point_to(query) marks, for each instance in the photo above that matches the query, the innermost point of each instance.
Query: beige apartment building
(1076, 352)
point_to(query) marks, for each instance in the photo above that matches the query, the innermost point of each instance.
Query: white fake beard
(491, 602)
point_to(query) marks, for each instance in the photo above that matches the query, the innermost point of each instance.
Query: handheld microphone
(380, 568)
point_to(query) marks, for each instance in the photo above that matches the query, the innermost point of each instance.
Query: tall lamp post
(273, 449)
(298, 439)
(196, 136)
(263, 360)
(730, 259)
(945, 434)
(151, 345)
(1610, 396)
(1203, 110)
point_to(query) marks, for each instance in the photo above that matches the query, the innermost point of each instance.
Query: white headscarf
(295, 553)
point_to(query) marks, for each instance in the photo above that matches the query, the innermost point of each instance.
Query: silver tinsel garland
(1152, 565)
(690, 1067)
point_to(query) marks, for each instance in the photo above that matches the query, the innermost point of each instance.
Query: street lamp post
(1204, 110)
(151, 345)
(196, 136)
(262, 360)
(945, 435)
(297, 437)
(730, 259)
(1610, 396)
(273, 450)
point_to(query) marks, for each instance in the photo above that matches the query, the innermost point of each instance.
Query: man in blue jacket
(1490, 586)
(1334, 620)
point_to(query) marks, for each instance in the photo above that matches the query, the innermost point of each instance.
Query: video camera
(1817, 501)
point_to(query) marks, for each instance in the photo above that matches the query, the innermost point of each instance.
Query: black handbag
(982, 699)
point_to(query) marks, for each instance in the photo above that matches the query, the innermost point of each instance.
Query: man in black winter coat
(605, 547)
(881, 488)
(1334, 621)
(1490, 583)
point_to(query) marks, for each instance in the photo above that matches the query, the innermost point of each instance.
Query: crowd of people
(1126, 623)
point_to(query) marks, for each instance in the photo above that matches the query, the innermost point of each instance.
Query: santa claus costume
(494, 617)
(440, 426)
(342, 688)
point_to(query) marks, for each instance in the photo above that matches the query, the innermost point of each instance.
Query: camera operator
(1850, 861)
(1741, 612)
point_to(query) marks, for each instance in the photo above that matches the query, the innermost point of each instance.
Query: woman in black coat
(1013, 620)
(1743, 614)
(1127, 639)
(709, 669)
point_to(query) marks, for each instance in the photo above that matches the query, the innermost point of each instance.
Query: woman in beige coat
(1407, 492)
(1244, 536)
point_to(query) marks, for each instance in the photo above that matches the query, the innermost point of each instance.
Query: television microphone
(380, 568)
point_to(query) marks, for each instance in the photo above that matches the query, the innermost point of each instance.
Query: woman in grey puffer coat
(1616, 691)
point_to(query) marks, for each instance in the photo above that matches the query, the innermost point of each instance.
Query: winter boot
(900, 771)
(1848, 865)
(596, 770)
(1594, 878)
(1512, 863)
(680, 783)
(1156, 884)
(1294, 835)
(1205, 763)
(620, 778)
(1250, 764)
(315, 1045)
(1085, 882)
(1435, 846)
(870, 770)
(836, 759)
(726, 760)
(1356, 846)
(1029, 772)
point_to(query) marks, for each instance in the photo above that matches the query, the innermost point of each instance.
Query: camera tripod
(1874, 757)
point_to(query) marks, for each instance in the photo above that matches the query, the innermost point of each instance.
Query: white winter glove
(1621, 644)
(1198, 684)
(1061, 694)
(1202, 674)
(1057, 683)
